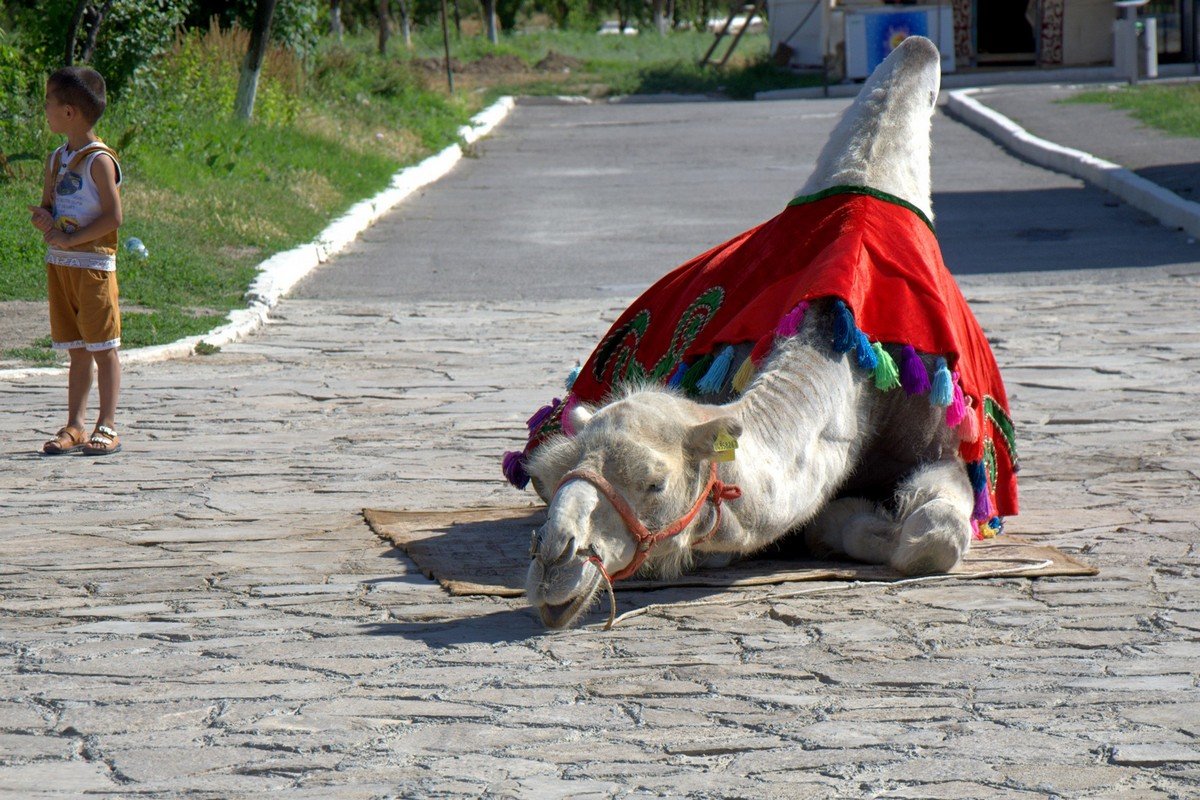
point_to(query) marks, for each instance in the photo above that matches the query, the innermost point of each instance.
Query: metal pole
(446, 46)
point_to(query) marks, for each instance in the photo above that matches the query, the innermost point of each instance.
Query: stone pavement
(206, 615)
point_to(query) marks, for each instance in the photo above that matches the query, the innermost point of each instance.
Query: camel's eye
(655, 487)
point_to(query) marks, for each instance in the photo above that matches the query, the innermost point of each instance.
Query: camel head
(653, 448)
(882, 140)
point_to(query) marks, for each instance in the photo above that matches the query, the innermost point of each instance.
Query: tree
(385, 25)
(489, 18)
(406, 22)
(335, 19)
(661, 16)
(260, 38)
(94, 17)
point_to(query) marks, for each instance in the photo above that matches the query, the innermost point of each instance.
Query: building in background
(848, 34)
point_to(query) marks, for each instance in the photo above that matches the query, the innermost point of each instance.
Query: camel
(650, 480)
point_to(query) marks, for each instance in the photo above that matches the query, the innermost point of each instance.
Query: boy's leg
(79, 386)
(108, 381)
(100, 322)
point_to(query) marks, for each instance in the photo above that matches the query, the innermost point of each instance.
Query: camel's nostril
(535, 543)
(568, 550)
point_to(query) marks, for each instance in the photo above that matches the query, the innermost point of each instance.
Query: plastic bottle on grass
(134, 246)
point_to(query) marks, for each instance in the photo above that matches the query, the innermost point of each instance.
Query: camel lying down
(820, 372)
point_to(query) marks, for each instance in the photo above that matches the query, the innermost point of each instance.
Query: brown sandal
(67, 440)
(104, 442)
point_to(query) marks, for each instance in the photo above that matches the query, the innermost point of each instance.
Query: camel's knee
(933, 538)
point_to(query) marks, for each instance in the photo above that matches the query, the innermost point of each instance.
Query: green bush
(130, 35)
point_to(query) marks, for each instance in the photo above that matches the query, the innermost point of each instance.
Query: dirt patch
(22, 322)
(488, 65)
(557, 62)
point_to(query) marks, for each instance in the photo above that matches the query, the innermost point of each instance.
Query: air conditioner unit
(872, 33)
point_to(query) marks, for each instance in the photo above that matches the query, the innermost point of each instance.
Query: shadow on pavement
(1182, 179)
(509, 625)
(1051, 229)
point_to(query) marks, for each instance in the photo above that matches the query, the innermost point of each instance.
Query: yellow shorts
(83, 308)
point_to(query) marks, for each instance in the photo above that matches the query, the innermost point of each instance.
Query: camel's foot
(934, 538)
(933, 507)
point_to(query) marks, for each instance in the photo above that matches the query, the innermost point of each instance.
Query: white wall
(1087, 32)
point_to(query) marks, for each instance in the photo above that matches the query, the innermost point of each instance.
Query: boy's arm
(42, 216)
(104, 175)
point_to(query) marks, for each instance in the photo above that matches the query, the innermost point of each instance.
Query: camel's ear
(700, 442)
(579, 416)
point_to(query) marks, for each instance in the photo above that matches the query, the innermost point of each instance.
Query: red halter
(714, 491)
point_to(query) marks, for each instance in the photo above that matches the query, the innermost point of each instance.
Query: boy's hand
(42, 219)
(56, 238)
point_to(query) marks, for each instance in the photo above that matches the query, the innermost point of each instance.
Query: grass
(613, 65)
(211, 197)
(1173, 108)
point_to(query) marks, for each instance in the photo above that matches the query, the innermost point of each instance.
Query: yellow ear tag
(725, 447)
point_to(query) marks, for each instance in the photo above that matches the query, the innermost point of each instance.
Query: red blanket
(875, 253)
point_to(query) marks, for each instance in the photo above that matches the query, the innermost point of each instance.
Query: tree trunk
(489, 20)
(260, 38)
(446, 46)
(73, 32)
(660, 16)
(457, 22)
(335, 18)
(385, 26)
(89, 49)
(406, 22)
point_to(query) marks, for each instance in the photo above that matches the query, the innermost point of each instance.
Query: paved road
(601, 200)
(1170, 161)
(207, 616)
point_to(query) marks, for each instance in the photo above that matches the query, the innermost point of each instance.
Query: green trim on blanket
(878, 195)
(1001, 422)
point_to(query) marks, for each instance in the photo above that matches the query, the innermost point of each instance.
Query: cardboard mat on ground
(486, 551)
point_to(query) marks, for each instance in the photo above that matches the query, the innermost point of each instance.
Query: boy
(78, 218)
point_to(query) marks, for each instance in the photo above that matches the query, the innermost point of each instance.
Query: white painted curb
(1167, 207)
(282, 271)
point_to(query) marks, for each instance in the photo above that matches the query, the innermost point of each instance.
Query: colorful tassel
(565, 416)
(514, 469)
(957, 410)
(913, 375)
(573, 374)
(942, 392)
(694, 373)
(843, 328)
(864, 353)
(714, 379)
(997, 525)
(978, 475)
(983, 505)
(745, 374)
(677, 376)
(792, 320)
(539, 416)
(968, 429)
(887, 376)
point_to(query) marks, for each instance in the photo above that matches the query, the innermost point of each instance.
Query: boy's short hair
(81, 87)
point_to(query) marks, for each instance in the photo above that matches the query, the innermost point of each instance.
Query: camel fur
(870, 475)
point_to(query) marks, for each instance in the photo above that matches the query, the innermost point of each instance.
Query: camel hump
(883, 138)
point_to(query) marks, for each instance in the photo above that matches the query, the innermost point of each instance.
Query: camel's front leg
(929, 532)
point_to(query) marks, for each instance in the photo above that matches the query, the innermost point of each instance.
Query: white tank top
(76, 204)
